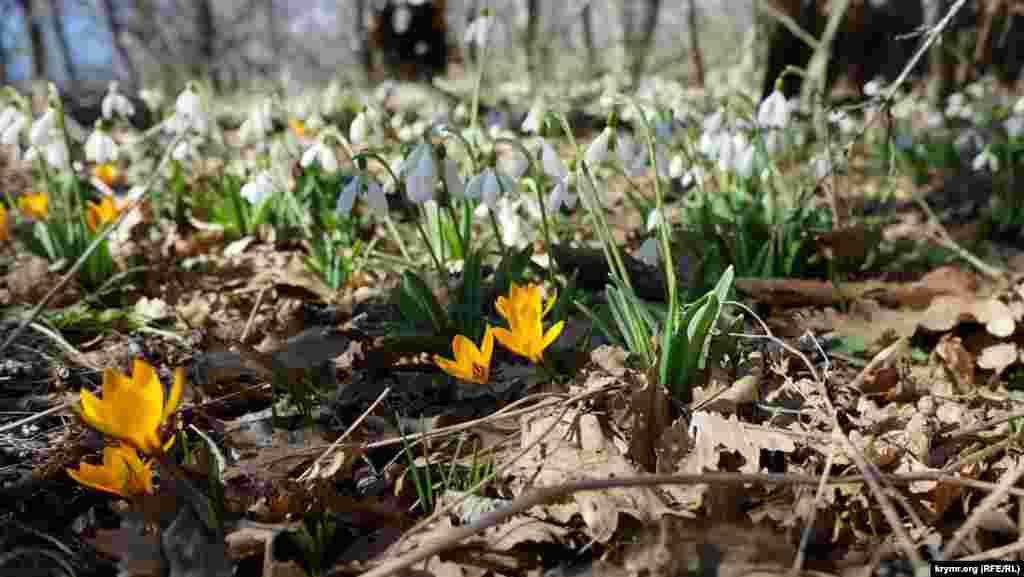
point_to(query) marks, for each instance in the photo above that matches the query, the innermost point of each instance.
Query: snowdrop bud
(358, 130)
(597, 152)
(873, 88)
(1015, 126)
(100, 147)
(648, 252)
(745, 161)
(531, 125)
(985, 160)
(258, 188)
(561, 196)
(56, 153)
(551, 163)
(479, 30)
(676, 166)
(321, 153)
(452, 180)
(16, 124)
(116, 103)
(773, 111)
(43, 127)
(422, 177)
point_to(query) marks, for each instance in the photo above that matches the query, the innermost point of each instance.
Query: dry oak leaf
(998, 357)
(571, 453)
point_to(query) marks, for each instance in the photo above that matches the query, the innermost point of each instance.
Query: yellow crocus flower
(35, 205)
(122, 472)
(5, 233)
(102, 213)
(470, 364)
(525, 335)
(133, 409)
(107, 173)
(298, 126)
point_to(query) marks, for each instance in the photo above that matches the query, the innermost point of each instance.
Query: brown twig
(1009, 479)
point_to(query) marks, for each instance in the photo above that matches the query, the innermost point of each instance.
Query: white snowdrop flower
(985, 160)
(359, 130)
(773, 111)
(452, 180)
(1015, 126)
(934, 120)
(661, 162)
(632, 153)
(597, 152)
(258, 123)
(694, 176)
(515, 165)
(649, 253)
(653, 219)
(677, 166)
(822, 165)
(259, 188)
(56, 154)
(153, 98)
(729, 151)
(101, 148)
(873, 88)
(975, 90)
(15, 125)
(314, 122)
(366, 188)
(189, 112)
(968, 140)
(7, 116)
(421, 175)
(561, 196)
(744, 166)
(485, 187)
(478, 31)
(550, 162)
(322, 154)
(714, 122)
(116, 103)
(1018, 108)
(515, 230)
(31, 154)
(43, 128)
(185, 149)
(532, 122)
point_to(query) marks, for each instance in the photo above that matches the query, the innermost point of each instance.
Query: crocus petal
(171, 405)
(552, 334)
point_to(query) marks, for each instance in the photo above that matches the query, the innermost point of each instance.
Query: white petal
(551, 162)
(348, 196)
(597, 152)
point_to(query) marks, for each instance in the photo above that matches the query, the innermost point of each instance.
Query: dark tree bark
(588, 40)
(206, 41)
(106, 9)
(642, 45)
(35, 33)
(360, 38)
(273, 35)
(530, 39)
(60, 33)
(696, 56)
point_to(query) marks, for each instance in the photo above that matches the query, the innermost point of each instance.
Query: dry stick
(819, 497)
(998, 553)
(1009, 479)
(252, 314)
(968, 431)
(88, 251)
(945, 240)
(316, 464)
(545, 494)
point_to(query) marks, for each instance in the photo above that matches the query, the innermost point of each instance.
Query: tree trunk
(117, 41)
(642, 45)
(35, 34)
(530, 40)
(60, 33)
(360, 38)
(273, 36)
(696, 56)
(588, 40)
(206, 35)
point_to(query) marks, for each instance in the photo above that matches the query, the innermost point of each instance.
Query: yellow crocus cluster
(524, 311)
(132, 410)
